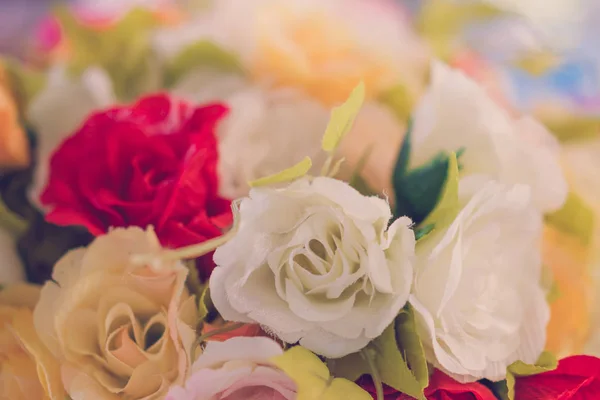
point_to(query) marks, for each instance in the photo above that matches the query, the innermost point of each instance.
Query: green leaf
(206, 309)
(193, 282)
(447, 205)
(418, 191)
(297, 171)
(342, 118)
(401, 167)
(499, 389)
(575, 218)
(409, 341)
(424, 231)
(546, 362)
(24, 83)
(202, 54)
(313, 379)
(400, 101)
(403, 368)
(12, 222)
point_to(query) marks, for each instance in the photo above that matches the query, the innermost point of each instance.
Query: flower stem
(368, 357)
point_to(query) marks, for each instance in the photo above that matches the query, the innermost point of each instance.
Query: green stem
(374, 373)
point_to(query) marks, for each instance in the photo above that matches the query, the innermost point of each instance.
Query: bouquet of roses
(426, 262)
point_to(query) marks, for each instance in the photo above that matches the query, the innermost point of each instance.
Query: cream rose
(120, 329)
(28, 369)
(477, 291)
(237, 369)
(456, 113)
(315, 263)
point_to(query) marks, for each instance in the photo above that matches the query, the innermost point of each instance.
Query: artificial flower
(315, 263)
(575, 378)
(14, 146)
(60, 109)
(27, 369)
(323, 48)
(120, 328)
(260, 120)
(441, 387)
(477, 296)
(455, 113)
(237, 369)
(151, 163)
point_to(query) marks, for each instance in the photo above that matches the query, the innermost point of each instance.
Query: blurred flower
(237, 369)
(120, 329)
(29, 371)
(575, 378)
(246, 330)
(323, 48)
(11, 268)
(14, 146)
(151, 163)
(455, 113)
(315, 262)
(477, 296)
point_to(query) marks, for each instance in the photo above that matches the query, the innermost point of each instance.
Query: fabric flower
(315, 262)
(152, 163)
(477, 296)
(59, 110)
(455, 113)
(322, 48)
(246, 330)
(120, 329)
(14, 146)
(27, 369)
(237, 369)
(441, 387)
(577, 377)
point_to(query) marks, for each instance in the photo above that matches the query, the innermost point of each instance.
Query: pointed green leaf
(401, 167)
(193, 282)
(202, 54)
(313, 379)
(447, 204)
(391, 362)
(412, 348)
(342, 118)
(297, 171)
(400, 101)
(206, 308)
(546, 362)
(424, 231)
(575, 218)
(10, 221)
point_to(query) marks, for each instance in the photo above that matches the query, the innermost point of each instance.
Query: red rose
(576, 378)
(441, 387)
(151, 163)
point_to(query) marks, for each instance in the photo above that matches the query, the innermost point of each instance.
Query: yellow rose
(28, 370)
(122, 329)
(326, 48)
(14, 148)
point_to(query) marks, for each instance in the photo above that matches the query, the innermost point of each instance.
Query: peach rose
(122, 329)
(14, 148)
(28, 370)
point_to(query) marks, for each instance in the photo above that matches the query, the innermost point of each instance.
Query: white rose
(477, 293)
(259, 121)
(58, 111)
(315, 263)
(456, 113)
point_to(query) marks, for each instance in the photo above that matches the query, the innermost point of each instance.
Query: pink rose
(237, 369)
